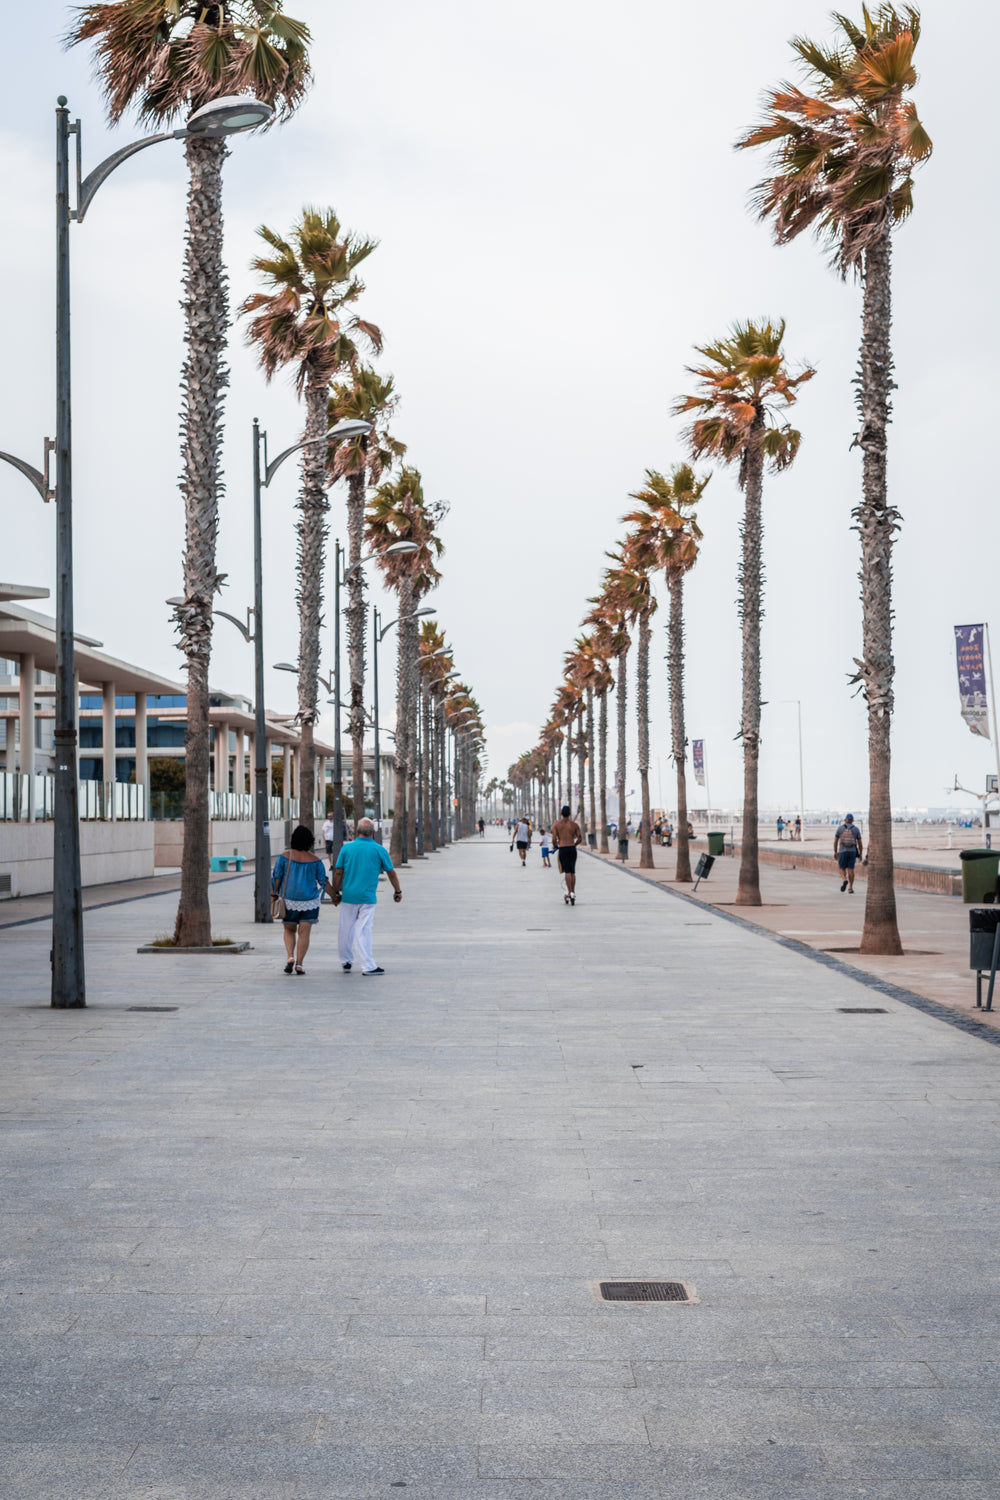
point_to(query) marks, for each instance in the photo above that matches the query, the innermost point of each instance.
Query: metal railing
(100, 801)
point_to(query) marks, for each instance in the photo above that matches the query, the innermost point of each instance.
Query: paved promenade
(811, 911)
(332, 1238)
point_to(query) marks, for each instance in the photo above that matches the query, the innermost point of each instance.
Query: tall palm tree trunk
(581, 763)
(356, 620)
(678, 735)
(590, 760)
(876, 521)
(602, 770)
(311, 533)
(204, 377)
(751, 582)
(402, 722)
(622, 703)
(430, 761)
(412, 746)
(642, 705)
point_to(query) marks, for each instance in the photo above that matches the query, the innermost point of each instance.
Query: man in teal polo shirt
(355, 890)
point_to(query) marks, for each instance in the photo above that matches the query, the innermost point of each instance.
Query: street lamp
(227, 116)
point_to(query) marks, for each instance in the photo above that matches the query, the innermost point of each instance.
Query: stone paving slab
(323, 1237)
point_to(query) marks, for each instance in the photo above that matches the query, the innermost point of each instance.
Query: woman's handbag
(278, 908)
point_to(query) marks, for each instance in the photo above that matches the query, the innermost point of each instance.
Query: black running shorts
(567, 860)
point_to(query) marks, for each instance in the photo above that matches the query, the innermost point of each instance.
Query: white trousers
(356, 932)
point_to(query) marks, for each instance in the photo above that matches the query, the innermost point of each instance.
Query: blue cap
(848, 817)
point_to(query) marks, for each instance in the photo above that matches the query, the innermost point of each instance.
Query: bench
(226, 862)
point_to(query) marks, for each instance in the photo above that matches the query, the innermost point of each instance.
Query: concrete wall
(224, 838)
(108, 851)
(910, 877)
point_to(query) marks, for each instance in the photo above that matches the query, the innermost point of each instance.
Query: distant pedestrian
(522, 839)
(355, 889)
(566, 836)
(546, 849)
(781, 826)
(299, 879)
(797, 829)
(847, 848)
(668, 834)
(328, 833)
(482, 828)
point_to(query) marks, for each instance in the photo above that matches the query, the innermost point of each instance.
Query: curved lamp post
(228, 116)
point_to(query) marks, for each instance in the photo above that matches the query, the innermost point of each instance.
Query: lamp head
(284, 666)
(228, 116)
(348, 428)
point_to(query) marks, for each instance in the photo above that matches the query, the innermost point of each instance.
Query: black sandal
(299, 969)
(289, 966)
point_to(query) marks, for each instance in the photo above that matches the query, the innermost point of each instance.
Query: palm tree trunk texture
(412, 747)
(356, 619)
(876, 521)
(311, 532)
(678, 734)
(602, 770)
(642, 704)
(590, 759)
(622, 703)
(430, 761)
(581, 762)
(204, 377)
(402, 721)
(751, 585)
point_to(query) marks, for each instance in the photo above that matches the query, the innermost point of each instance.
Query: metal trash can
(983, 923)
(716, 843)
(979, 874)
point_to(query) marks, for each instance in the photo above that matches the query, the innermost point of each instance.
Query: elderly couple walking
(299, 881)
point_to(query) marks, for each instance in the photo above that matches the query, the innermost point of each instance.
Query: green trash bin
(717, 843)
(979, 874)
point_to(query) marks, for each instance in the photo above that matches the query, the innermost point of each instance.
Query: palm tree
(161, 58)
(610, 610)
(433, 665)
(397, 512)
(604, 650)
(743, 378)
(666, 535)
(367, 397)
(843, 162)
(303, 319)
(639, 602)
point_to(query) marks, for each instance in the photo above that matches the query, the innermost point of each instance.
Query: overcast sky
(561, 217)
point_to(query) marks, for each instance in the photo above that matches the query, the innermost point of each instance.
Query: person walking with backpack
(847, 848)
(522, 838)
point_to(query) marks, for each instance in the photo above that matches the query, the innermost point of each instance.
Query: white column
(108, 743)
(286, 783)
(142, 752)
(26, 727)
(240, 770)
(321, 782)
(268, 754)
(221, 756)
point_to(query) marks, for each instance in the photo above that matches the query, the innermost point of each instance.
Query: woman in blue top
(301, 878)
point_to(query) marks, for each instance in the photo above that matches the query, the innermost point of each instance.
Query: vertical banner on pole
(698, 759)
(972, 678)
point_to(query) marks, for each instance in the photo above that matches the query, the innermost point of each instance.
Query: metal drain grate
(157, 1008)
(644, 1291)
(862, 1010)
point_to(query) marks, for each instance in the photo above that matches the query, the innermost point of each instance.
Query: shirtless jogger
(566, 834)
